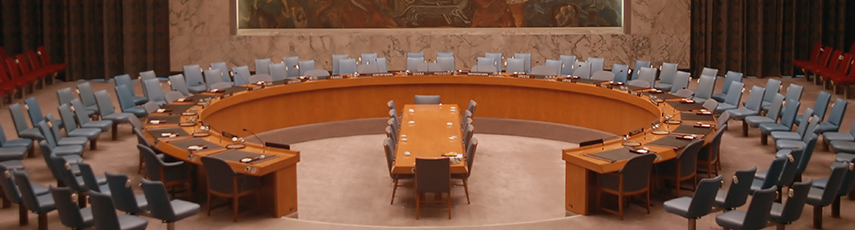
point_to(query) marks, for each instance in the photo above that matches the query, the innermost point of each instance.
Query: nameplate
(293, 81)
(382, 74)
(336, 77)
(227, 95)
(478, 74)
(443, 73)
(569, 80)
(417, 73)
(526, 76)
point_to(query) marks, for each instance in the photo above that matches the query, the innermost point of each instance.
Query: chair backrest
(620, 71)
(704, 197)
(381, 65)
(832, 187)
(304, 66)
(54, 127)
(155, 92)
(544, 70)
(729, 78)
(788, 174)
(788, 116)
(67, 117)
(413, 62)
(497, 60)
(705, 87)
(755, 98)
(416, 54)
(367, 58)
(158, 200)
(220, 85)
(681, 81)
(433, 175)
(126, 100)
(710, 105)
(773, 86)
(803, 123)
(429, 66)
(715, 143)
(260, 77)
(447, 63)
(647, 74)
(688, 158)
(821, 104)
(736, 95)
(603, 76)
(278, 71)
(18, 118)
(177, 83)
(470, 154)
(80, 112)
(173, 96)
(472, 106)
(262, 66)
(710, 72)
(213, 76)
(103, 211)
(122, 193)
(740, 187)
(775, 109)
(389, 147)
(582, 70)
(796, 202)
(347, 66)
(89, 177)
(444, 54)
(848, 179)
(426, 99)
(145, 75)
(105, 105)
(292, 65)
(316, 73)
(527, 61)
(637, 67)
(596, 64)
(807, 153)
(28, 196)
(7, 183)
(125, 79)
(554, 63)
(152, 162)
(335, 60)
(636, 172)
(34, 110)
(221, 176)
(66, 176)
(193, 75)
(485, 61)
(224, 69)
(667, 72)
(84, 91)
(794, 91)
(241, 75)
(757, 215)
(515, 65)
(837, 111)
(774, 172)
(64, 95)
(484, 68)
(567, 63)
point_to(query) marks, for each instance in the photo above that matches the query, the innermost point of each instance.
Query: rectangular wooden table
(428, 131)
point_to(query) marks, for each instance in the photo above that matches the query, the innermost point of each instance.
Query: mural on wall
(271, 14)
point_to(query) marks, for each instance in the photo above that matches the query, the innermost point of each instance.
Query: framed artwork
(331, 14)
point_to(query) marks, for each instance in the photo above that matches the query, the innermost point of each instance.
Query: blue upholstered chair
(195, 81)
(820, 105)
(603, 76)
(123, 195)
(412, 62)
(347, 66)
(304, 66)
(567, 64)
(554, 63)
(169, 173)
(178, 84)
(55, 148)
(794, 91)
(241, 75)
(682, 168)
(647, 74)
(40, 204)
(123, 79)
(757, 215)
(447, 63)
(783, 214)
(278, 71)
(105, 216)
(484, 68)
(22, 129)
(546, 70)
(785, 124)
(24, 143)
(223, 181)
(800, 132)
(666, 76)
(224, 69)
(582, 70)
(681, 81)
(828, 137)
(699, 205)
(213, 76)
(735, 195)
(515, 65)
(773, 86)
(633, 178)
(367, 58)
(637, 67)
(709, 72)
(87, 96)
(527, 61)
(105, 105)
(846, 186)
(821, 196)
(35, 112)
(11, 193)
(70, 214)
(835, 118)
(597, 64)
(799, 144)
(771, 115)
(709, 154)
(731, 103)
(292, 66)
(149, 74)
(162, 208)
(84, 122)
(416, 54)
(485, 61)
(154, 92)
(621, 72)
(126, 102)
(705, 88)
(729, 78)
(497, 60)
(71, 127)
(65, 95)
(426, 99)
(444, 54)
(262, 66)
(335, 63)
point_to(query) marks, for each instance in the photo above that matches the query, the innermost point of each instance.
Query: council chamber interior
(459, 114)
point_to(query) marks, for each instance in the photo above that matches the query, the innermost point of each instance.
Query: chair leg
(81, 200)
(418, 203)
(6, 202)
(210, 206)
(93, 144)
(43, 221)
(692, 223)
(835, 208)
(780, 227)
(23, 215)
(817, 217)
(170, 225)
(620, 206)
(32, 152)
(139, 170)
(449, 203)
(115, 131)
(394, 189)
(648, 201)
(466, 189)
(744, 129)
(235, 204)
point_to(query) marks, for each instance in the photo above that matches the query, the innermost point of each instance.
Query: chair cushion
(197, 89)
(784, 135)
(142, 203)
(23, 142)
(720, 197)
(137, 111)
(662, 86)
(756, 185)
(765, 105)
(88, 133)
(12, 153)
(754, 121)
(731, 219)
(68, 150)
(104, 125)
(790, 144)
(836, 136)
(140, 100)
(72, 141)
(814, 197)
(183, 209)
(127, 222)
(12, 164)
(761, 174)
(740, 113)
(31, 133)
(827, 127)
(679, 206)
(842, 146)
(699, 100)
(847, 157)
(118, 117)
(719, 97)
(775, 213)
(46, 204)
(768, 128)
(86, 214)
(820, 183)
(39, 189)
(724, 107)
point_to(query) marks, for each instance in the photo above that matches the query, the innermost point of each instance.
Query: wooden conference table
(428, 131)
(308, 102)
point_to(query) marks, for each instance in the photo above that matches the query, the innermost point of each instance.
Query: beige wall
(199, 34)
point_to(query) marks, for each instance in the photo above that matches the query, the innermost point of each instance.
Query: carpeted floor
(517, 182)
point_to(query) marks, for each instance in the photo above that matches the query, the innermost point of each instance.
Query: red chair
(824, 58)
(28, 70)
(841, 78)
(13, 67)
(56, 67)
(38, 67)
(814, 58)
(837, 62)
(13, 83)
(3, 53)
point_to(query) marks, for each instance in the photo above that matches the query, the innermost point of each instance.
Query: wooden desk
(428, 136)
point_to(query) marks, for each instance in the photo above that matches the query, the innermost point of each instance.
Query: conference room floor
(516, 183)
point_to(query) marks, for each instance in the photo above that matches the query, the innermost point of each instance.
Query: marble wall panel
(199, 34)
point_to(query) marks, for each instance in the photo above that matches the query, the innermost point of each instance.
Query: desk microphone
(263, 143)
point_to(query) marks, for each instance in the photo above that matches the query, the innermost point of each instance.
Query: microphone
(263, 143)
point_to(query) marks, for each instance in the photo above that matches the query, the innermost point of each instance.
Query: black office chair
(755, 217)
(736, 195)
(123, 195)
(223, 181)
(433, 175)
(682, 168)
(470, 158)
(40, 204)
(106, 218)
(784, 214)
(699, 205)
(389, 147)
(821, 197)
(632, 179)
(69, 213)
(426, 99)
(164, 209)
